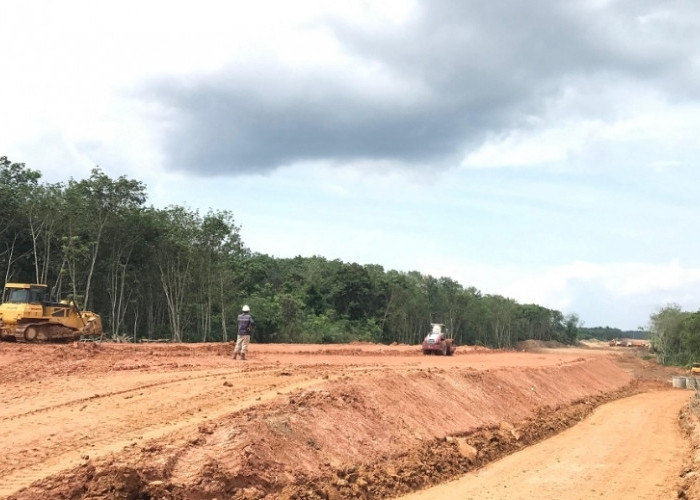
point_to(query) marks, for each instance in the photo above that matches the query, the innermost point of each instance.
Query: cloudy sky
(541, 150)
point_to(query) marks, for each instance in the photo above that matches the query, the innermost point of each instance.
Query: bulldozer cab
(20, 293)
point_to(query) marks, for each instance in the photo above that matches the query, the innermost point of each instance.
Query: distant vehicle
(695, 369)
(28, 315)
(438, 341)
(629, 343)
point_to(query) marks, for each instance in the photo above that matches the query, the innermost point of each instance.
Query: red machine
(438, 342)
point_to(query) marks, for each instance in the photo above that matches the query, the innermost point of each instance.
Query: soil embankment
(626, 450)
(358, 421)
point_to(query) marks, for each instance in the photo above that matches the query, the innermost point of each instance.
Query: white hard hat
(246, 308)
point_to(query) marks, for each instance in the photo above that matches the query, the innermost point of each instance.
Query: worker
(245, 328)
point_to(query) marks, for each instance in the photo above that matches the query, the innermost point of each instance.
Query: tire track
(112, 425)
(136, 389)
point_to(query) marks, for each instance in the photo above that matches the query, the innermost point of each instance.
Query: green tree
(690, 338)
(44, 217)
(501, 314)
(571, 329)
(175, 256)
(666, 326)
(90, 205)
(17, 186)
(218, 242)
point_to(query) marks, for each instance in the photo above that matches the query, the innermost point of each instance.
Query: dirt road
(362, 421)
(630, 449)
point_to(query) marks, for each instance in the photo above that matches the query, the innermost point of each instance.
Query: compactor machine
(438, 341)
(28, 315)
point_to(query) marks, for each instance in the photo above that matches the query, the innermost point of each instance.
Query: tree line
(610, 333)
(173, 273)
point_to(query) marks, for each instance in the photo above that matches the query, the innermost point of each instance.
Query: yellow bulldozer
(28, 315)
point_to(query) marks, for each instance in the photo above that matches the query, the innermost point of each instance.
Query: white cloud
(526, 147)
(593, 115)
(609, 294)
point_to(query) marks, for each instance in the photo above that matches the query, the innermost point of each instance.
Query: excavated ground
(142, 421)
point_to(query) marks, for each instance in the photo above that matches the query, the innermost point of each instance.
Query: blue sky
(545, 151)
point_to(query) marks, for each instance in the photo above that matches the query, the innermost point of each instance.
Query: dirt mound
(441, 460)
(368, 433)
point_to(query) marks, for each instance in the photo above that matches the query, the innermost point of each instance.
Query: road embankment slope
(339, 426)
(628, 449)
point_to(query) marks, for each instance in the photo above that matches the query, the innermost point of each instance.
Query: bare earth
(602, 457)
(174, 421)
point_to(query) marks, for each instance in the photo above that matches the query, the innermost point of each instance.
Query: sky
(545, 151)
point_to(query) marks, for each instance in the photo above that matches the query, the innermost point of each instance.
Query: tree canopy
(675, 335)
(175, 273)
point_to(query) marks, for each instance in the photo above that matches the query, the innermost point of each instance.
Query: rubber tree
(218, 243)
(91, 204)
(17, 187)
(536, 322)
(128, 236)
(571, 328)
(501, 316)
(690, 337)
(666, 326)
(175, 255)
(44, 216)
(451, 303)
(408, 311)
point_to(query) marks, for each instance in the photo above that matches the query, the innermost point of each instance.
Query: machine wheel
(31, 333)
(445, 349)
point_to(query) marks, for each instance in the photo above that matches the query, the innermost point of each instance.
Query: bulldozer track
(94, 397)
(227, 373)
(248, 375)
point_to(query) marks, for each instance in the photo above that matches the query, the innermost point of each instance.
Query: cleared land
(602, 457)
(354, 421)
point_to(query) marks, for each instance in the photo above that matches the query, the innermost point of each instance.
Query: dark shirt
(245, 324)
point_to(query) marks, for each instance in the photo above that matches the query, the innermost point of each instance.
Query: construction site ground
(185, 421)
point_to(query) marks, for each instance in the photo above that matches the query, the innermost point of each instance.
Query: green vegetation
(608, 333)
(174, 273)
(675, 335)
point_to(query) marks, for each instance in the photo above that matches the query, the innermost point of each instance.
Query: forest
(173, 273)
